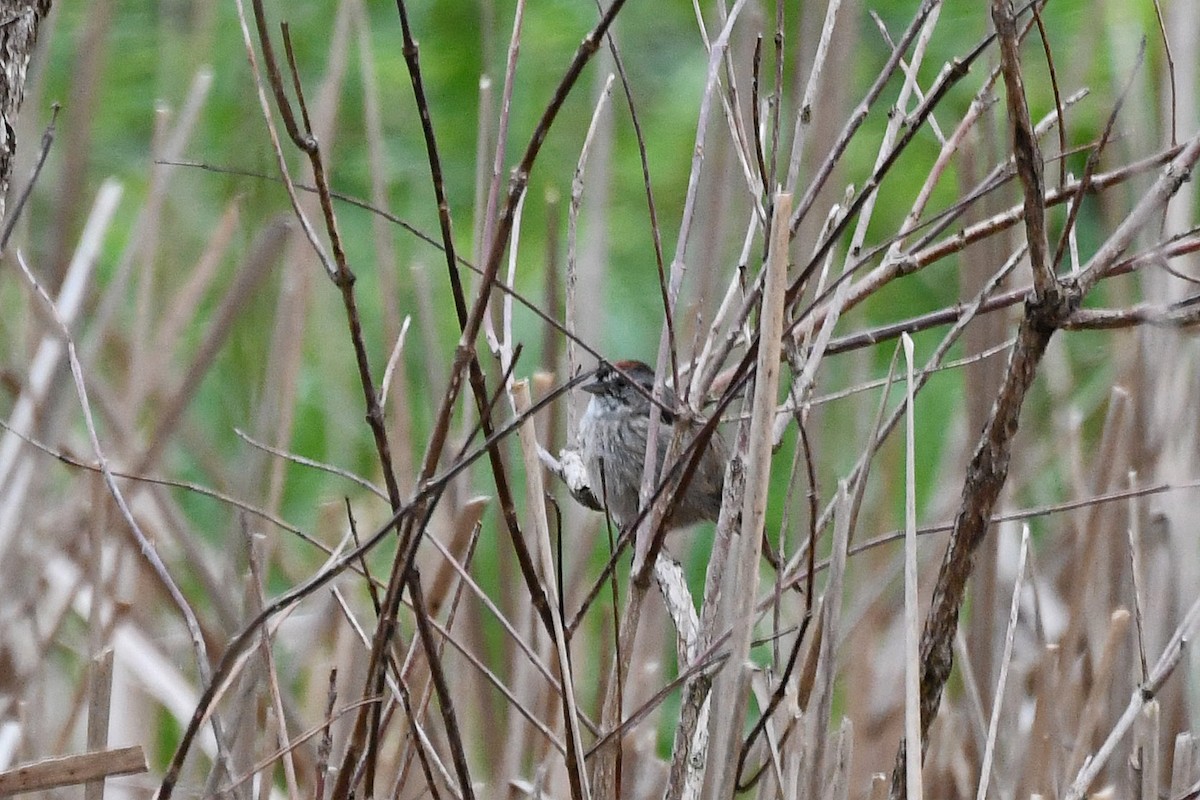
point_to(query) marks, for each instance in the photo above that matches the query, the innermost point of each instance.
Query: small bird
(612, 438)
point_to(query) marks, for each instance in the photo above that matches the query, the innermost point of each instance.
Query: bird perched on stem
(612, 439)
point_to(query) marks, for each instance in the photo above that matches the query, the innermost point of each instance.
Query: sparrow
(612, 439)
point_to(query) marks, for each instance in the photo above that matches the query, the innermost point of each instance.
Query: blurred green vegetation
(152, 51)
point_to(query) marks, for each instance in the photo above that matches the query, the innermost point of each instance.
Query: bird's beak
(592, 385)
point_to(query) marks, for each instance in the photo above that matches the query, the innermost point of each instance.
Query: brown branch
(426, 497)
(651, 206)
(1183, 314)
(1026, 150)
(985, 477)
(1173, 175)
(958, 69)
(475, 371)
(18, 37)
(10, 222)
(72, 770)
(1006, 219)
(1058, 103)
(859, 115)
(345, 279)
(1166, 315)
(1046, 311)
(1093, 161)
(465, 359)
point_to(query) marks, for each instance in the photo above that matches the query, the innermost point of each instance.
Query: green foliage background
(147, 54)
(151, 52)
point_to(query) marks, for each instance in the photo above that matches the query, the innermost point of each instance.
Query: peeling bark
(19, 22)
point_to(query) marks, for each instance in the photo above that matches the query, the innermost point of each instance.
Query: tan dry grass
(1070, 665)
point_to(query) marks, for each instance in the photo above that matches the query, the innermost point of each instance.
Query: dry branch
(53, 773)
(1049, 307)
(21, 20)
(506, 643)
